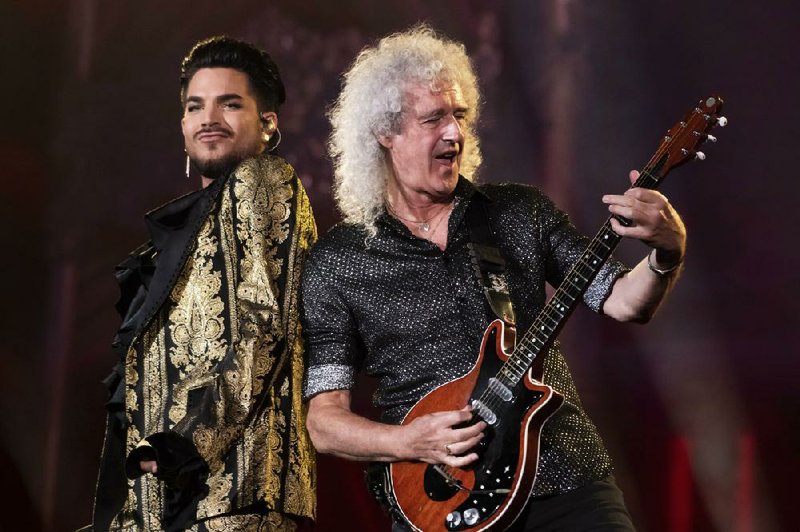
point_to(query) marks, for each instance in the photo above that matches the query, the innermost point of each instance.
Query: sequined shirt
(411, 315)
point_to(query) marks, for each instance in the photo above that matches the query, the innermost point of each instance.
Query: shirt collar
(463, 194)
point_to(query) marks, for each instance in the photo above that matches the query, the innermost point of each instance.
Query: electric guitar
(505, 389)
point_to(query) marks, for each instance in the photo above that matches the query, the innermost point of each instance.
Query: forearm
(338, 431)
(637, 295)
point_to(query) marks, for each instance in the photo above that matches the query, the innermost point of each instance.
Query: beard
(214, 168)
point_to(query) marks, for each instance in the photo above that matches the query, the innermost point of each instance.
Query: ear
(269, 120)
(385, 140)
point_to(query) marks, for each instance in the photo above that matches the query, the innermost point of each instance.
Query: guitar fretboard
(555, 313)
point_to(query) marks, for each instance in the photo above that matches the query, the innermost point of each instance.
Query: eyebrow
(229, 97)
(221, 98)
(440, 111)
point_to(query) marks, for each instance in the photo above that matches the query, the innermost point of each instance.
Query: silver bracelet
(661, 272)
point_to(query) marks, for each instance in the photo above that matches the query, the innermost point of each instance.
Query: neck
(413, 205)
(228, 165)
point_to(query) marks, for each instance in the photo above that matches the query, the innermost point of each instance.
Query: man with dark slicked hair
(206, 428)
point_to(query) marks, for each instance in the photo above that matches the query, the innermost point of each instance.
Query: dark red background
(699, 409)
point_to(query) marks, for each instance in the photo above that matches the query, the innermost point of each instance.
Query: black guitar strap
(487, 262)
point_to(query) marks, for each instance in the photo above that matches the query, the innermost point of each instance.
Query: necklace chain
(422, 225)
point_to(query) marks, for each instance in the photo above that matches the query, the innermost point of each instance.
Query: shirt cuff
(326, 378)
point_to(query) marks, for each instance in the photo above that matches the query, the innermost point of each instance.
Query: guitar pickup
(500, 390)
(484, 412)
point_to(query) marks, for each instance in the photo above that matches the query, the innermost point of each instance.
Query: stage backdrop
(699, 409)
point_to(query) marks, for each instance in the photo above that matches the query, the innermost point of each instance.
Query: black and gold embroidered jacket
(211, 359)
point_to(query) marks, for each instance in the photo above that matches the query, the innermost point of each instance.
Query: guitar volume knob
(453, 519)
(471, 516)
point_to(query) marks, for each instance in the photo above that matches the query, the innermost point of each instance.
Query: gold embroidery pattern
(196, 322)
(271, 522)
(231, 327)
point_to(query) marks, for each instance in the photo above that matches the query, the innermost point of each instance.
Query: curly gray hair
(371, 104)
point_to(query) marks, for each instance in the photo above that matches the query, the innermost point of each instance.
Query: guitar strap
(487, 262)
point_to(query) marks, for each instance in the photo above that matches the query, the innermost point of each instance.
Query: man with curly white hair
(392, 289)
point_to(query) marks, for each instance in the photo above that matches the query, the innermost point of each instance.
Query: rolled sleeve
(326, 378)
(333, 348)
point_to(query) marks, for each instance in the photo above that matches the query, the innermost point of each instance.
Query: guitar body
(494, 489)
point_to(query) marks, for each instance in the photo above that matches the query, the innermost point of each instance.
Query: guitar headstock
(682, 141)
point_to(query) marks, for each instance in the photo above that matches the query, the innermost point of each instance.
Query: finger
(633, 175)
(621, 230)
(466, 433)
(454, 417)
(460, 461)
(460, 447)
(625, 211)
(646, 195)
(616, 199)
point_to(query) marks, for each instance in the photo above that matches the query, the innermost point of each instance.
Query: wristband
(661, 272)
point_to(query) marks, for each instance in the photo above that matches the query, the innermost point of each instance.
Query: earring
(278, 133)
(187, 164)
(265, 137)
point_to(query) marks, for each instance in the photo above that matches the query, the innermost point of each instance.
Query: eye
(232, 105)
(192, 107)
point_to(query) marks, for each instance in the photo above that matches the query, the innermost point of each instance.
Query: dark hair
(225, 52)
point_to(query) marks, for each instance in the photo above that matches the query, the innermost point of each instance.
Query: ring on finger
(447, 449)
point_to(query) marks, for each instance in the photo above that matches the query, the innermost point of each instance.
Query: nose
(453, 131)
(210, 115)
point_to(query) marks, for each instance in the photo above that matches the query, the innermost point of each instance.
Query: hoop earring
(278, 133)
(187, 164)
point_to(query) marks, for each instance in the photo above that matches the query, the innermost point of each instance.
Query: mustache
(213, 129)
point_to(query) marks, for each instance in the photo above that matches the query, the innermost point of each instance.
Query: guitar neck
(555, 313)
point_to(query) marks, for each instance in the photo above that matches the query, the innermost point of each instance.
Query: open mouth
(448, 156)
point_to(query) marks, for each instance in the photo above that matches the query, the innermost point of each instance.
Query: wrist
(659, 268)
(400, 445)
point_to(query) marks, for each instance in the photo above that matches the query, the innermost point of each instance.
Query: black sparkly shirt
(411, 315)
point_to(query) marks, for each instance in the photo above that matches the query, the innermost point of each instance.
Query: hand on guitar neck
(646, 215)
(649, 217)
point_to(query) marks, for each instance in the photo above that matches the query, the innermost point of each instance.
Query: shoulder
(341, 240)
(518, 198)
(264, 172)
(335, 255)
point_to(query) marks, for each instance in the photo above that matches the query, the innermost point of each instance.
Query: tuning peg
(722, 121)
(697, 154)
(712, 138)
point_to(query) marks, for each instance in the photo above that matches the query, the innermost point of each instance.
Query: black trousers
(597, 507)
